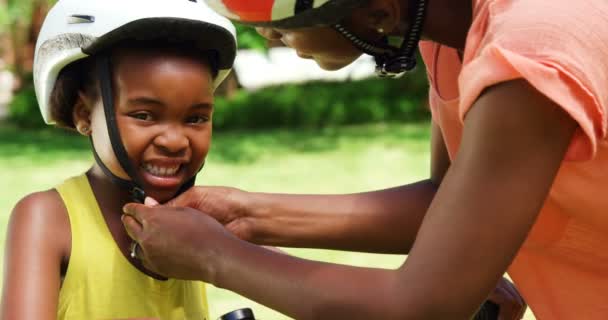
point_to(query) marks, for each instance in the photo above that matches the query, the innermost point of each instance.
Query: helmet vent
(80, 18)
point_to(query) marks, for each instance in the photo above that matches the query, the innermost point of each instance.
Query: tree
(20, 22)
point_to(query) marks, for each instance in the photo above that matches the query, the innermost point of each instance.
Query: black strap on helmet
(392, 61)
(104, 70)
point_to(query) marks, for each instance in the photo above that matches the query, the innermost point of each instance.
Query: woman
(519, 152)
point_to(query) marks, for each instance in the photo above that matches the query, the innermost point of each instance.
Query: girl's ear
(82, 114)
(382, 16)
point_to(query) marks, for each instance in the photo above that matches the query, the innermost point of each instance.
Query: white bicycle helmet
(76, 29)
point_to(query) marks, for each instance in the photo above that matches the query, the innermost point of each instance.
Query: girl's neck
(107, 193)
(110, 199)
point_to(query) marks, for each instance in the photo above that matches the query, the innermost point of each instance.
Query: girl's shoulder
(37, 244)
(42, 216)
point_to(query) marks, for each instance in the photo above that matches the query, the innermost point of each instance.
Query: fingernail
(150, 202)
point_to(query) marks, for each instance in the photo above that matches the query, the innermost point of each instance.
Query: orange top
(561, 48)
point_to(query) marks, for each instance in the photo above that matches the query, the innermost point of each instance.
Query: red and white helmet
(285, 14)
(76, 29)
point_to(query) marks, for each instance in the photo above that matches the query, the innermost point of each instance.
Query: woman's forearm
(384, 221)
(305, 289)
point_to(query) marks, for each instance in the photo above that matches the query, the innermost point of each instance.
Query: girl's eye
(197, 119)
(144, 116)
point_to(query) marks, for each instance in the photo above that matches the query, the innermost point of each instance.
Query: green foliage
(13, 12)
(23, 109)
(314, 104)
(248, 38)
(322, 104)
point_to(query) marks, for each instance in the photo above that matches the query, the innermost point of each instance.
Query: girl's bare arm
(37, 239)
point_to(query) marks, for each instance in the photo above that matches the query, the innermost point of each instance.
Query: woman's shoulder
(42, 215)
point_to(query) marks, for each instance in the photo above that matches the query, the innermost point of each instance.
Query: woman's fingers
(134, 229)
(151, 202)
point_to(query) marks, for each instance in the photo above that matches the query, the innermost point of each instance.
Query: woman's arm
(513, 145)
(384, 221)
(37, 235)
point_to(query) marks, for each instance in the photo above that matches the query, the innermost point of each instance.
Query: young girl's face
(164, 106)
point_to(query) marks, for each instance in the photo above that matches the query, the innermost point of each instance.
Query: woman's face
(327, 47)
(164, 108)
(324, 45)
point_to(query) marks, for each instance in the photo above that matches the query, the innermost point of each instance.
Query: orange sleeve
(526, 39)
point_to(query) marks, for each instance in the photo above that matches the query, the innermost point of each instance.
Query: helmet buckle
(394, 67)
(138, 194)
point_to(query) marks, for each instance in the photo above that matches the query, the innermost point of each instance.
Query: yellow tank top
(100, 283)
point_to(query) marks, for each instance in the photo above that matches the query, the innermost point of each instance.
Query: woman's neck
(447, 21)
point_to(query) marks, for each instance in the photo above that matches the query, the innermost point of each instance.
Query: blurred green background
(319, 137)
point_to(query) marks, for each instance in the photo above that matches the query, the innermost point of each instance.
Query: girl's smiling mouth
(164, 174)
(161, 171)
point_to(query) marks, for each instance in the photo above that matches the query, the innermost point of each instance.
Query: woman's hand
(229, 206)
(176, 242)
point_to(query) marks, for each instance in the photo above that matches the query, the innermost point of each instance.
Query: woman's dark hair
(81, 76)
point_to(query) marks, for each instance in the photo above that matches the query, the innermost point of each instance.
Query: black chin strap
(134, 185)
(104, 70)
(392, 61)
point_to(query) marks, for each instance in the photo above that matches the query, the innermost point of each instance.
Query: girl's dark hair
(77, 77)
(81, 76)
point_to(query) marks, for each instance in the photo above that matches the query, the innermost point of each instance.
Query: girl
(518, 180)
(137, 77)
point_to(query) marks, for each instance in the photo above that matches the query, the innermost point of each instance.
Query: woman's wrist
(254, 213)
(284, 220)
(229, 263)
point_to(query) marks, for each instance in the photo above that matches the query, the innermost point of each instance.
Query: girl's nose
(172, 140)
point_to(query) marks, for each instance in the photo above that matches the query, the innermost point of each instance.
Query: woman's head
(311, 27)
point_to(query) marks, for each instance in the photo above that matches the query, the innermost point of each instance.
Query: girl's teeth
(161, 171)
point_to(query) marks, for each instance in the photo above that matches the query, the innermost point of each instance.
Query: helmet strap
(104, 69)
(137, 194)
(393, 61)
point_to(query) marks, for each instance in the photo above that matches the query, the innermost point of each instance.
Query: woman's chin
(330, 65)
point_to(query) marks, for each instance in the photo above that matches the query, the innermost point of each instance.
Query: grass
(340, 160)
